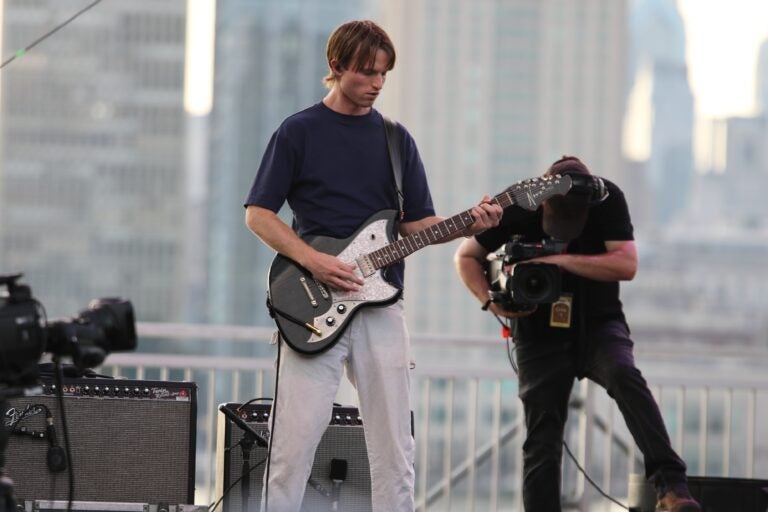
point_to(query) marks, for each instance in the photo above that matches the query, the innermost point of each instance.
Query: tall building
(761, 89)
(658, 65)
(746, 171)
(269, 63)
(92, 154)
(494, 91)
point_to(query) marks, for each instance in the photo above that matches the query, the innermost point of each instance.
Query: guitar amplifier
(729, 494)
(131, 441)
(715, 494)
(342, 444)
(104, 506)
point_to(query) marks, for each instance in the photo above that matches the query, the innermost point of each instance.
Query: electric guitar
(310, 316)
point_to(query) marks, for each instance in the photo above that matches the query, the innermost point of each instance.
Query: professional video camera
(518, 286)
(106, 325)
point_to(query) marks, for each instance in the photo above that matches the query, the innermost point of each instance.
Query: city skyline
(521, 83)
(721, 68)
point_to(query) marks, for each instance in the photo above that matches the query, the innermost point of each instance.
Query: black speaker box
(130, 440)
(343, 443)
(729, 494)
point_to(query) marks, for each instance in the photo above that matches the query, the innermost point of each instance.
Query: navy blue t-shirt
(593, 301)
(334, 172)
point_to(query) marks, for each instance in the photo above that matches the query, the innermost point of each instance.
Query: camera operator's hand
(498, 310)
(617, 263)
(470, 259)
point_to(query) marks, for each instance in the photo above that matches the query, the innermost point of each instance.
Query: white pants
(375, 349)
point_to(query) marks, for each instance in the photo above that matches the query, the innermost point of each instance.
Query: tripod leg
(7, 500)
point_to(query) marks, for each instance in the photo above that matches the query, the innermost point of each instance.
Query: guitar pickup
(310, 295)
(322, 288)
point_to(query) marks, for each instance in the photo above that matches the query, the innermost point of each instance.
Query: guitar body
(297, 298)
(311, 317)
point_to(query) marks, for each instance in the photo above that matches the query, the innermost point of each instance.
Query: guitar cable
(272, 418)
(273, 311)
(224, 494)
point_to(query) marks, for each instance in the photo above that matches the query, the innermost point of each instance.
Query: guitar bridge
(365, 265)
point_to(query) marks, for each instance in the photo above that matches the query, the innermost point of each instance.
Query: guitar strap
(393, 134)
(394, 142)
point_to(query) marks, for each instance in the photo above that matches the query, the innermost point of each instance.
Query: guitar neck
(403, 247)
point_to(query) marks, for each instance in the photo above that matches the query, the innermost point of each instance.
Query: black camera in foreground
(517, 285)
(107, 325)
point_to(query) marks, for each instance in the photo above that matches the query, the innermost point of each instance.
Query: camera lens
(535, 283)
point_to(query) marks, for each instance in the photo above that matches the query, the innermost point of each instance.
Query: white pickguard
(375, 288)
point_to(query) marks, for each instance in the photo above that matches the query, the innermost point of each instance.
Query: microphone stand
(246, 444)
(338, 474)
(250, 437)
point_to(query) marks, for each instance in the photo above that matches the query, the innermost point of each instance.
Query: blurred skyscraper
(746, 172)
(761, 91)
(493, 92)
(92, 159)
(660, 107)
(270, 60)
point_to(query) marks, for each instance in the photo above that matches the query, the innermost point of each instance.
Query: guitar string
(398, 250)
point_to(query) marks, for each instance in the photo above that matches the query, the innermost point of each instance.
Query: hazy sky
(723, 38)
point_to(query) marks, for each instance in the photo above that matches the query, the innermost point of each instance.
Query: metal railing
(468, 420)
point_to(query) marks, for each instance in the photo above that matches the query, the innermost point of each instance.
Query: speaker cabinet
(715, 494)
(729, 494)
(130, 440)
(342, 444)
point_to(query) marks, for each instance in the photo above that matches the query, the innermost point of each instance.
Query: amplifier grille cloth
(344, 442)
(123, 450)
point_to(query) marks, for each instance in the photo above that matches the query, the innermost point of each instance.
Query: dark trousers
(547, 371)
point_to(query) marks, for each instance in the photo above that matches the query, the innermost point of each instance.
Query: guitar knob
(341, 309)
(330, 321)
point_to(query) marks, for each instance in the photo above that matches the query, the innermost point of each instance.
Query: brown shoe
(679, 501)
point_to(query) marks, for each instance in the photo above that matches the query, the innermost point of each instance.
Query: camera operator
(583, 334)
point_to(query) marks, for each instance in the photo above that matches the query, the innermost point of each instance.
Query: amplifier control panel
(122, 388)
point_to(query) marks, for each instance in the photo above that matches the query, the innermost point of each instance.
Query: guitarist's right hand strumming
(333, 272)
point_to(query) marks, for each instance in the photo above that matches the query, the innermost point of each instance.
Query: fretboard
(435, 233)
(528, 194)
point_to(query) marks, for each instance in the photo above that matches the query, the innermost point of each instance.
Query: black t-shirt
(334, 171)
(593, 301)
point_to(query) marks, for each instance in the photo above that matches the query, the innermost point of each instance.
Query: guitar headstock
(530, 193)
